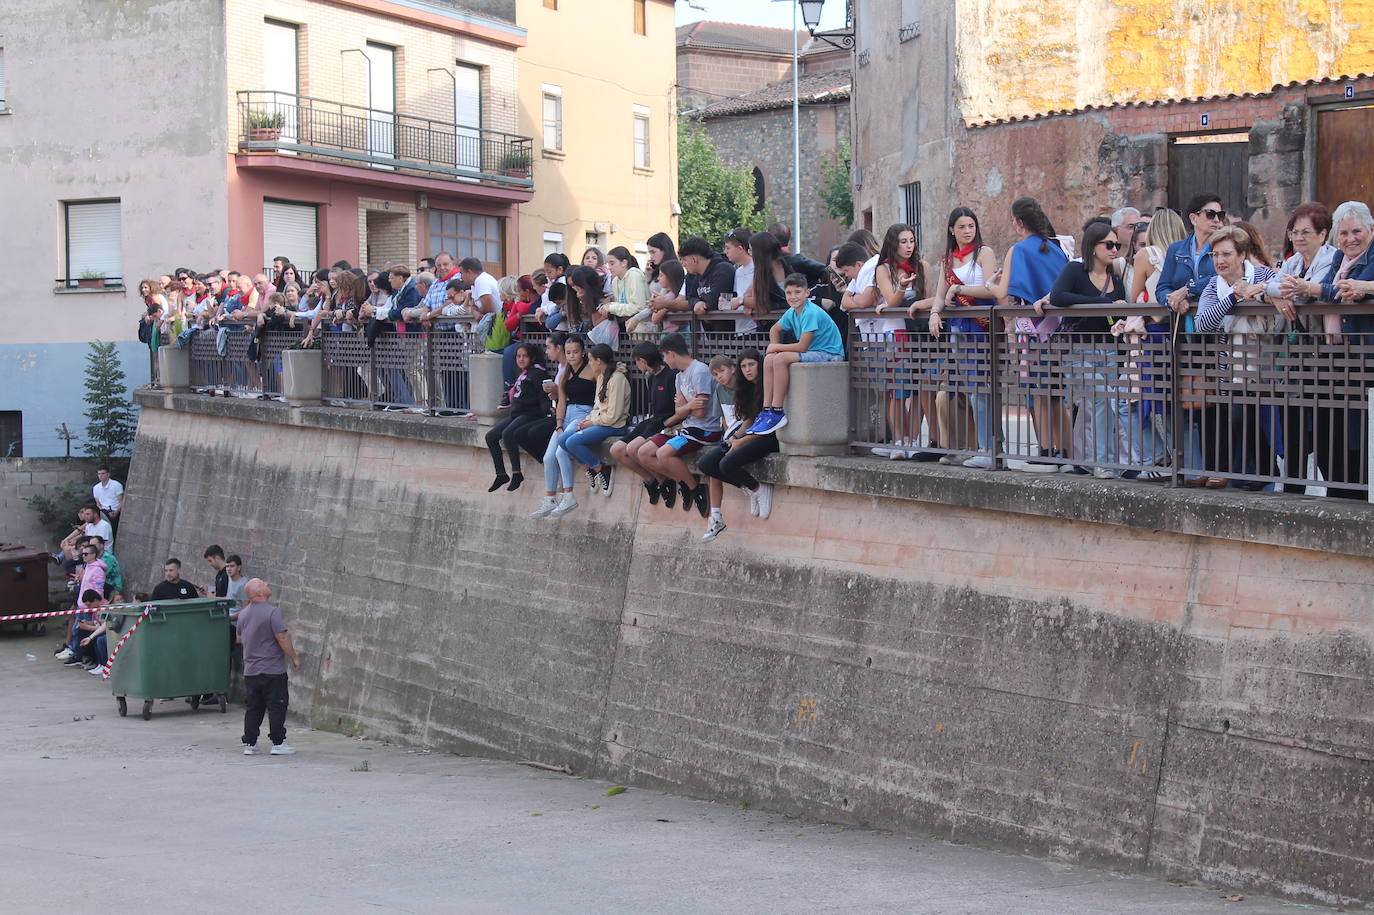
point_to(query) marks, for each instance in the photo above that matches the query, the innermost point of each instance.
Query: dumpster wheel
(123, 706)
(195, 703)
(147, 709)
(223, 703)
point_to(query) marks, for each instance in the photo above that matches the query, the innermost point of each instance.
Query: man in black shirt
(814, 271)
(172, 587)
(709, 275)
(214, 555)
(662, 405)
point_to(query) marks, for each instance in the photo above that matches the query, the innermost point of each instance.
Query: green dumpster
(180, 649)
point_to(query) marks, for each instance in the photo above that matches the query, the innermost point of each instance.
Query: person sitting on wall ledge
(726, 462)
(817, 341)
(528, 404)
(661, 380)
(610, 412)
(690, 428)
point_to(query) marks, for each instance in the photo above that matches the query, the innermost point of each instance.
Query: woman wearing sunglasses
(1090, 367)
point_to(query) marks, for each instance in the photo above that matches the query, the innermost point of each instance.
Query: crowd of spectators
(566, 392)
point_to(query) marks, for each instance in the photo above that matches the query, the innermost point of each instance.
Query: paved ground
(167, 815)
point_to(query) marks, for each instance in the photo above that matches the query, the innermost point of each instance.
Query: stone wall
(23, 478)
(763, 139)
(1175, 681)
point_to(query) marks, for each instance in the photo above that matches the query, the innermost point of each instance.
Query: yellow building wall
(1061, 55)
(589, 49)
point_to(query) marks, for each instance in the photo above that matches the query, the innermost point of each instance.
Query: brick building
(721, 60)
(973, 134)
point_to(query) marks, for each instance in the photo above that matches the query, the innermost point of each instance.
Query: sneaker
(753, 502)
(593, 480)
(768, 421)
(764, 496)
(565, 505)
(688, 493)
(606, 474)
(669, 493)
(74, 662)
(1039, 467)
(759, 421)
(250, 750)
(1102, 473)
(546, 505)
(63, 653)
(952, 460)
(97, 671)
(505, 402)
(1076, 469)
(979, 462)
(282, 749)
(652, 489)
(702, 496)
(713, 530)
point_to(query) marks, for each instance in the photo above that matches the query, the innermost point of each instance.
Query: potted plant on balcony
(91, 279)
(264, 126)
(515, 163)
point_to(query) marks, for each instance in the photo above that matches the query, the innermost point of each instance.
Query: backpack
(499, 338)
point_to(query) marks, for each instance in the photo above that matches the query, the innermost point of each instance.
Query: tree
(837, 186)
(110, 414)
(714, 197)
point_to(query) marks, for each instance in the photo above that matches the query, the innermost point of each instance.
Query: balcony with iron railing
(280, 122)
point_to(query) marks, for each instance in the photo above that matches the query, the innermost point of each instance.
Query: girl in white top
(1166, 227)
(962, 281)
(902, 278)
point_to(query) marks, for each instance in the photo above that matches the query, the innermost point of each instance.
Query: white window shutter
(94, 245)
(291, 230)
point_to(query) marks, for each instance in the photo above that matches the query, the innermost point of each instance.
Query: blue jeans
(1086, 374)
(508, 367)
(557, 462)
(579, 444)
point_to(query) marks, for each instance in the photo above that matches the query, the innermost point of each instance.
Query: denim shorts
(819, 355)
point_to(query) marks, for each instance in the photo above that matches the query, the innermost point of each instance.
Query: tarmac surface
(167, 815)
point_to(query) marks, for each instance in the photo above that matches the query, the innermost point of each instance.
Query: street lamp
(811, 16)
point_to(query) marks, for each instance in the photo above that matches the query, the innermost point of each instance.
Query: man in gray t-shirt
(266, 649)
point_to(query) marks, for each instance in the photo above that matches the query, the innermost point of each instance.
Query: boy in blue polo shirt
(818, 340)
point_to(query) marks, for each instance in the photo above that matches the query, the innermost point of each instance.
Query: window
(640, 28)
(467, 114)
(11, 433)
(469, 235)
(553, 117)
(911, 20)
(641, 136)
(594, 241)
(291, 230)
(3, 106)
(911, 208)
(94, 246)
(553, 243)
(759, 190)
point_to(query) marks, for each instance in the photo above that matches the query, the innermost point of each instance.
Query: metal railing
(1253, 409)
(424, 370)
(280, 121)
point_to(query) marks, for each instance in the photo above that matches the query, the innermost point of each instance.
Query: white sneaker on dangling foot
(546, 505)
(714, 530)
(979, 462)
(753, 502)
(764, 495)
(567, 504)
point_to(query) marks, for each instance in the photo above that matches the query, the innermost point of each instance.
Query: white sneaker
(63, 655)
(567, 504)
(753, 502)
(979, 462)
(249, 750)
(282, 749)
(98, 671)
(716, 528)
(1102, 473)
(764, 496)
(950, 460)
(546, 505)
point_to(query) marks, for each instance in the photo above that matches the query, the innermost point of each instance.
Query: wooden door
(1221, 167)
(1345, 170)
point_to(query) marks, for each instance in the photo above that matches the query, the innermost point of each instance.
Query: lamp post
(811, 15)
(796, 137)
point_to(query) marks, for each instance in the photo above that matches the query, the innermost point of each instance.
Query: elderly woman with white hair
(1340, 437)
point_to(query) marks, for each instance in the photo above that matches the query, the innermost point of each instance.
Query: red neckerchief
(961, 253)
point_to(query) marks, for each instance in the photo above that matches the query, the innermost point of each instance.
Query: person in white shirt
(486, 292)
(109, 495)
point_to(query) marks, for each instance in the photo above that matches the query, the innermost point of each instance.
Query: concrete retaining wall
(23, 478)
(1172, 681)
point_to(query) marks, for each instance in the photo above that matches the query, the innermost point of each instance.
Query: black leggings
(507, 432)
(728, 466)
(534, 437)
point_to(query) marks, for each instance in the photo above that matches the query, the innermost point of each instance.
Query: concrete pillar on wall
(817, 407)
(485, 386)
(174, 368)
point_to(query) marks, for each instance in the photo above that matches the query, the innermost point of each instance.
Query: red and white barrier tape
(37, 616)
(109, 663)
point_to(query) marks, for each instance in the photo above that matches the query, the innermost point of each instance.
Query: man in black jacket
(814, 271)
(709, 275)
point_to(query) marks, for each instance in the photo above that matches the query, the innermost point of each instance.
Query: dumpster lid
(17, 552)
